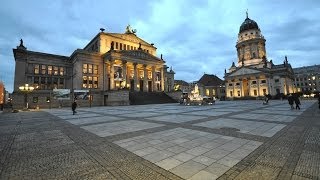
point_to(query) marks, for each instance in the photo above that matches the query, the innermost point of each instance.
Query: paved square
(146, 131)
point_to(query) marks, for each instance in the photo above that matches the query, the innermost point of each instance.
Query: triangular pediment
(244, 71)
(140, 55)
(130, 37)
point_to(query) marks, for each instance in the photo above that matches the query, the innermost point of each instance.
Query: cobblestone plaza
(229, 140)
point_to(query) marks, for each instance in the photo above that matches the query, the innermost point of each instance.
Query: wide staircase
(139, 98)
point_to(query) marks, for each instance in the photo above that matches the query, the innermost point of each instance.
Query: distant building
(255, 75)
(212, 86)
(180, 85)
(307, 79)
(2, 94)
(108, 67)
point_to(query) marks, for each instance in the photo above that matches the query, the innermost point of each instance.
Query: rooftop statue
(129, 30)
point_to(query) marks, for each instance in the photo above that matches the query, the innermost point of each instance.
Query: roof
(181, 82)
(248, 24)
(210, 80)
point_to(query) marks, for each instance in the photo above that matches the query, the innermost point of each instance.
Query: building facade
(307, 79)
(108, 67)
(212, 86)
(255, 75)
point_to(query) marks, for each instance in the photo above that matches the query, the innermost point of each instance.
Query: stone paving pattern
(229, 140)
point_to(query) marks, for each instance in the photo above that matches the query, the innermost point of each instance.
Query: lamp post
(26, 89)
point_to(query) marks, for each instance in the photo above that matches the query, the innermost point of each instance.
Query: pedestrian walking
(319, 100)
(290, 100)
(74, 107)
(297, 101)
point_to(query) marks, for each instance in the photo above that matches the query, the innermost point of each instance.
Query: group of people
(294, 99)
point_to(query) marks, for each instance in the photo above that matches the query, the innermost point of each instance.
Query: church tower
(251, 44)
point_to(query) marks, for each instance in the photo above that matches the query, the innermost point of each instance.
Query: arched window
(253, 55)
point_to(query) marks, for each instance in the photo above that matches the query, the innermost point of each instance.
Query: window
(43, 69)
(49, 83)
(231, 93)
(85, 68)
(43, 83)
(128, 47)
(90, 68)
(131, 47)
(264, 91)
(207, 92)
(253, 55)
(238, 93)
(230, 84)
(263, 81)
(55, 83)
(84, 81)
(90, 81)
(36, 80)
(61, 71)
(95, 82)
(35, 100)
(237, 84)
(117, 45)
(120, 46)
(95, 69)
(50, 70)
(124, 47)
(255, 92)
(55, 70)
(254, 82)
(61, 83)
(36, 69)
(213, 92)
(276, 80)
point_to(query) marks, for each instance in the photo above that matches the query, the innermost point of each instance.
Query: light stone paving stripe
(108, 129)
(188, 152)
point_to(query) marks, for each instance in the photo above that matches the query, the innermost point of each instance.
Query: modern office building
(104, 71)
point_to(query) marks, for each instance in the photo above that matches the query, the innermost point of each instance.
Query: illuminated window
(50, 70)
(255, 92)
(213, 92)
(264, 91)
(231, 93)
(55, 70)
(95, 69)
(95, 82)
(89, 81)
(43, 69)
(36, 69)
(207, 92)
(61, 71)
(85, 68)
(90, 68)
(238, 93)
(84, 81)
(313, 77)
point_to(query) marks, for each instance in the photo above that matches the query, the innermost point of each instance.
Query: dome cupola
(248, 24)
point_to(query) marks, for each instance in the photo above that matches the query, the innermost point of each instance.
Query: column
(154, 87)
(162, 79)
(233, 93)
(111, 75)
(249, 87)
(124, 73)
(268, 83)
(241, 88)
(258, 84)
(135, 76)
(145, 78)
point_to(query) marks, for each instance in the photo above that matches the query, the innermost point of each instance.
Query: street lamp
(26, 89)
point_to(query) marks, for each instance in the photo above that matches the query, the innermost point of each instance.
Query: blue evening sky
(194, 36)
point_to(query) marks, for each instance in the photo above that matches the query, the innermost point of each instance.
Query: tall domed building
(254, 75)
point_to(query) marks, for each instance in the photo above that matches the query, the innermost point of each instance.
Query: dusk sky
(194, 36)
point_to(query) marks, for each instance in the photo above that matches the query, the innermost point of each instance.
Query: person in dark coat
(319, 100)
(297, 101)
(290, 100)
(74, 106)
